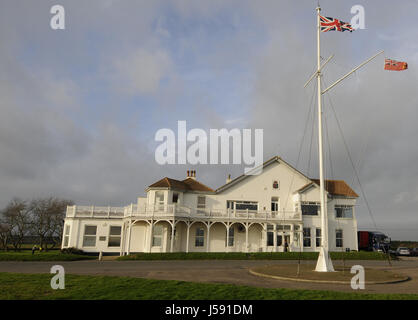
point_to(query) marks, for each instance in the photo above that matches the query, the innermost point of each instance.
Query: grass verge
(361, 255)
(42, 256)
(37, 287)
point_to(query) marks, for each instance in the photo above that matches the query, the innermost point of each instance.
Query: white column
(292, 237)
(246, 237)
(264, 238)
(172, 237)
(151, 226)
(208, 237)
(129, 237)
(187, 237)
(227, 238)
(122, 237)
(301, 237)
(77, 239)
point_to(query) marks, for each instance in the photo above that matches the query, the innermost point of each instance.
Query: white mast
(324, 263)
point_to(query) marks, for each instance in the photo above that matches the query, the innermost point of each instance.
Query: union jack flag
(331, 24)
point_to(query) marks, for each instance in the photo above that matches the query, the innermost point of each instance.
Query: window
(157, 236)
(339, 238)
(279, 240)
(270, 235)
(66, 235)
(175, 197)
(310, 208)
(159, 200)
(318, 237)
(244, 205)
(200, 237)
(114, 236)
(201, 203)
(307, 237)
(274, 204)
(285, 227)
(89, 239)
(343, 211)
(231, 237)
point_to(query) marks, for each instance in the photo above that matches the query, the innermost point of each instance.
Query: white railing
(174, 210)
(96, 212)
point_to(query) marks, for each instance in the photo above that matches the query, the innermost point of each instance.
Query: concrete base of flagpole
(324, 263)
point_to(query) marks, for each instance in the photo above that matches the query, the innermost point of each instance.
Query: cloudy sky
(80, 106)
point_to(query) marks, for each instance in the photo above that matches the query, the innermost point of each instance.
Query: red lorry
(373, 241)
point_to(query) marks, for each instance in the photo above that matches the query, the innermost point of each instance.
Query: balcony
(177, 211)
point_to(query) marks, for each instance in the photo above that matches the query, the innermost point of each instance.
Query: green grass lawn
(361, 255)
(35, 287)
(41, 256)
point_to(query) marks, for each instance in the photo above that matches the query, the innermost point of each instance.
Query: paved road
(218, 271)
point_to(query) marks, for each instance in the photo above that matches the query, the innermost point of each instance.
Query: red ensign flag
(395, 65)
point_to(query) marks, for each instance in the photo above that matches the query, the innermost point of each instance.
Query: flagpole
(324, 263)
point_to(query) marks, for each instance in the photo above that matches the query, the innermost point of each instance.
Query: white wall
(252, 188)
(260, 188)
(103, 227)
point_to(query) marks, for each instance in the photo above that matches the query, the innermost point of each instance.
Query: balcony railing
(177, 211)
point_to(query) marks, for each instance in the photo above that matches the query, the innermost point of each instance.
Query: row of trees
(42, 218)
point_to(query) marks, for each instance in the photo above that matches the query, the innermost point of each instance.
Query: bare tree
(48, 219)
(4, 235)
(17, 219)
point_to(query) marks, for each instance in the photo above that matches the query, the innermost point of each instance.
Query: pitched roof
(188, 184)
(196, 185)
(264, 165)
(335, 187)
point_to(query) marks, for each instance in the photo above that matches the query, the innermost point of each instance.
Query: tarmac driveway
(218, 271)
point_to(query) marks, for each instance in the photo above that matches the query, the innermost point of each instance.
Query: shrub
(72, 250)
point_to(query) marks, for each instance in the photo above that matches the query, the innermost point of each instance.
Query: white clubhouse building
(276, 210)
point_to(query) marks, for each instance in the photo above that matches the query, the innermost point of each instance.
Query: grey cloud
(53, 141)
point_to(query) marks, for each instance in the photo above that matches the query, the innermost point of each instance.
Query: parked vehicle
(373, 241)
(402, 251)
(414, 252)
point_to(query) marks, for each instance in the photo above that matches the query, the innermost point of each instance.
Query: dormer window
(275, 184)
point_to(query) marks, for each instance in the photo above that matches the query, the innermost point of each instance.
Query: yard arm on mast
(354, 70)
(316, 72)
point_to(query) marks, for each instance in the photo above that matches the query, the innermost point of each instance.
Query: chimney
(191, 174)
(228, 180)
